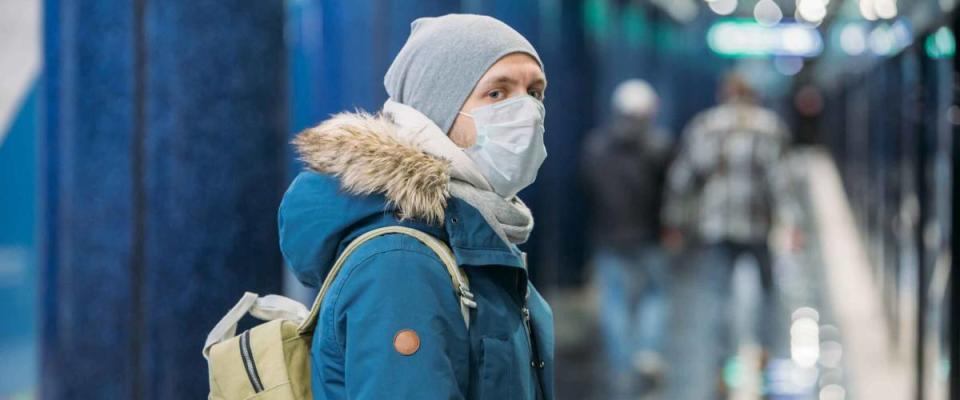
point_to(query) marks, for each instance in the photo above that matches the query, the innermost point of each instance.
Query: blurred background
(144, 151)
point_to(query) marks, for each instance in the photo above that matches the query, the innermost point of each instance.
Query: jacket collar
(369, 158)
(474, 242)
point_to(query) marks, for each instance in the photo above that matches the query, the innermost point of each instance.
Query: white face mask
(509, 148)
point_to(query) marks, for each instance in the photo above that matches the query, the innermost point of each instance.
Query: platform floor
(805, 292)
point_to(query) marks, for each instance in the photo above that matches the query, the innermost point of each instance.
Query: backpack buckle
(466, 297)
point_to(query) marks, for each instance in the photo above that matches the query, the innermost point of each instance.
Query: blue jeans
(632, 314)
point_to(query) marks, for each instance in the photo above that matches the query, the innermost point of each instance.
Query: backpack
(271, 361)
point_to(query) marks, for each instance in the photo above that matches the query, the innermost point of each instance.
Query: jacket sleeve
(681, 186)
(393, 291)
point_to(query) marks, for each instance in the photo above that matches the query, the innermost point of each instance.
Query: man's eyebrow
(508, 80)
(500, 79)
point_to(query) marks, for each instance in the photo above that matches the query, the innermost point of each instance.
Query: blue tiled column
(162, 165)
(350, 45)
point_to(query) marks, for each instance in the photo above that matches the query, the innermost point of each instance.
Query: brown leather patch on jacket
(406, 342)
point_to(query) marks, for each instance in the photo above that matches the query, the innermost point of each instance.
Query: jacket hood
(366, 154)
(362, 175)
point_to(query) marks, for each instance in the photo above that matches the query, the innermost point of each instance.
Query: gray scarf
(509, 218)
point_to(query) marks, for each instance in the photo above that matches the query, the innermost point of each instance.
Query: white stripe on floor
(876, 372)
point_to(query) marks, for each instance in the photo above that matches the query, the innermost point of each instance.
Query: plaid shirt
(728, 180)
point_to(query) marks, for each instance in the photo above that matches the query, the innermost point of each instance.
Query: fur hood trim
(368, 156)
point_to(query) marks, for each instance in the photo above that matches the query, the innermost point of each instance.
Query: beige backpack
(271, 361)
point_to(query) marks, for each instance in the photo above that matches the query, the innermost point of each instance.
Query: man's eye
(495, 94)
(537, 94)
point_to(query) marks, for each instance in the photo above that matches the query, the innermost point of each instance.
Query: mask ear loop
(480, 138)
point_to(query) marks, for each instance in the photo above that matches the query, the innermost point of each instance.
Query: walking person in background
(725, 189)
(624, 167)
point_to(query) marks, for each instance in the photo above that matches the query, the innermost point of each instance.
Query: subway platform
(831, 334)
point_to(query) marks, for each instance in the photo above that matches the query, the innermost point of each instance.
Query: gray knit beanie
(444, 58)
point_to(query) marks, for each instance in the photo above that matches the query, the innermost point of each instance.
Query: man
(461, 134)
(726, 187)
(624, 165)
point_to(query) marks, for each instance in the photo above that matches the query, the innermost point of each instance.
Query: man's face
(515, 75)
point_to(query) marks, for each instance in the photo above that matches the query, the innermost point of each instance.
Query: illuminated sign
(746, 38)
(941, 44)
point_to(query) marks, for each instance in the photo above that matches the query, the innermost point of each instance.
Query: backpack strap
(459, 279)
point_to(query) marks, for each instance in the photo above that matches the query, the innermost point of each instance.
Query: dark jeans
(719, 260)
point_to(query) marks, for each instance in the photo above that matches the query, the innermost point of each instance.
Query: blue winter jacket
(362, 177)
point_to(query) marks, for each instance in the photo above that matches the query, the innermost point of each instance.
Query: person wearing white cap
(624, 168)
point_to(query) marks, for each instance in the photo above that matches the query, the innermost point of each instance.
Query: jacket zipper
(246, 352)
(535, 361)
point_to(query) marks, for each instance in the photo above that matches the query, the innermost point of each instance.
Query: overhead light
(805, 312)
(767, 13)
(799, 40)
(799, 18)
(723, 7)
(882, 41)
(747, 38)
(886, 9)
(941, 44)
(867, 10)
(833, 391)
(805, 342)
(902, 34)
(887, 39)
(853, 39)
(813, 11)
